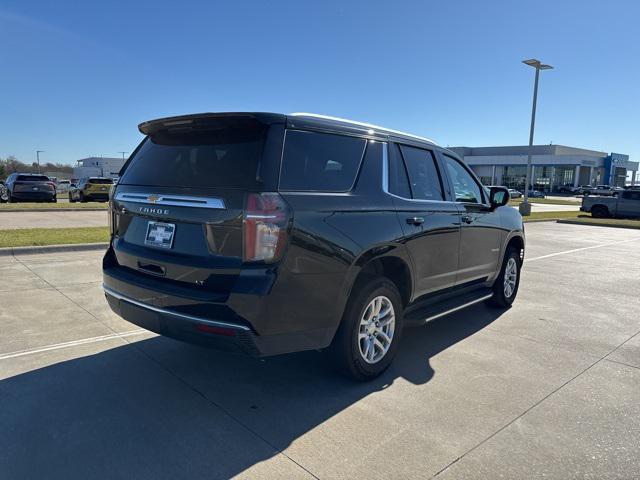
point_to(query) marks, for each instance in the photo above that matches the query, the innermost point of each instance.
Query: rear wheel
(368, 336)
(599, 211)
(506, 285)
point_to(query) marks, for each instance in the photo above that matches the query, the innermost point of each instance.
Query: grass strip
(547, 201)
(603, 222)
(27, 237)
(49, 205)
(551, 216)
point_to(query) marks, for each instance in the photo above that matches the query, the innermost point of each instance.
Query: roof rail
(362, 124)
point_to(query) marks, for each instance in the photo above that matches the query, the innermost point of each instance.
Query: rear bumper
(217, 334)
(216, 323)
(97, 196)
(33, 195)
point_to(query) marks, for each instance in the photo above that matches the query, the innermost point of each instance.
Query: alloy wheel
(510, 277)
(376, 329)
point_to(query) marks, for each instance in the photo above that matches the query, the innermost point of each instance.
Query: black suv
(266, 234)
(30, 187)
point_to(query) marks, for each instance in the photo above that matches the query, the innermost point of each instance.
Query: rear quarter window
(320, 162)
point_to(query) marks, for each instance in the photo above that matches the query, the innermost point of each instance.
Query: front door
(431, 225)
(480, 230)
(629, 204)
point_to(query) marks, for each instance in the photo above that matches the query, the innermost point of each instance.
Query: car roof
(292, 120)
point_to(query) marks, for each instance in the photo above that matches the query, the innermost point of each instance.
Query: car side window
(465, 188)
(423, 174)
(631, 195)
(398, 178)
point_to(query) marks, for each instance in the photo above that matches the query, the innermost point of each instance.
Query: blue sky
(77, 77)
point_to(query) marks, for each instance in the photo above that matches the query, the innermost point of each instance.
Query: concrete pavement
(34, 219)
(550, 387)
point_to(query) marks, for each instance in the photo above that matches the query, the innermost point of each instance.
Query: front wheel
(506, 285)
(368, 336)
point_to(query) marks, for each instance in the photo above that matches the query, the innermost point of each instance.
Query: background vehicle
(237, 231)
(603, 190)
(515, 193)
(90, 189)
(536, 194)
(626, 204)
(4, 196)
(30, 187)
(63, 186)
(568, 189)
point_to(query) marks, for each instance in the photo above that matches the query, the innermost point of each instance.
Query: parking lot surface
(548, 388)
(34, 219)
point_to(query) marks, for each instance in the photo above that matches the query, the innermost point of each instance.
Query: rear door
(179, 203)
(431, 225)
(480, 225)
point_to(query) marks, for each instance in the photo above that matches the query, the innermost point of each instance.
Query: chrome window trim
(360, 124)
(171, 200)
(193, 318)
(385, 182)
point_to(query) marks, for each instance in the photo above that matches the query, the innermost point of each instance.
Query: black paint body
(298, 302)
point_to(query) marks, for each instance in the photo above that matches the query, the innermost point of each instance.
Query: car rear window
(32, 178)
(225, 157)
(320, 162)
(101, 181)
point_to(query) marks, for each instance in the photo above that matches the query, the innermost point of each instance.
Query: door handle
(467, 218)
(415, 220)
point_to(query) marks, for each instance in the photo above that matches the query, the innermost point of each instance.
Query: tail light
(53, 185)
(266, 224)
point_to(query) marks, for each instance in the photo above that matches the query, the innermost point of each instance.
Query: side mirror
(498, 196)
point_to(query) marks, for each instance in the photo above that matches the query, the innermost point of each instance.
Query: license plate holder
(160, 234)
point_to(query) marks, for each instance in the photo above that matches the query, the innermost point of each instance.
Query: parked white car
(63, 186)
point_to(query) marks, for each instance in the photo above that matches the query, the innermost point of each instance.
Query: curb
(596, 224)
(77, 247)
(22, 210)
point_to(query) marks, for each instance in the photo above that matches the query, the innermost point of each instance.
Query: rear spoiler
(206, 121)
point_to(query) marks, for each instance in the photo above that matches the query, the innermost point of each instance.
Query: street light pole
(38, 152)
(525, 206)
(122, 154)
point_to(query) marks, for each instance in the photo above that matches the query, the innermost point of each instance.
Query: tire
(348, 351)
(82, 198)
(599, 211)
(502, 296)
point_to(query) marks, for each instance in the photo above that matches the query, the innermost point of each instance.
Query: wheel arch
(388, 261)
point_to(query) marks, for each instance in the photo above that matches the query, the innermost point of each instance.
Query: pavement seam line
(604, 357)
(180, 379)
(72, 343)
(621, 363)
(565, 252)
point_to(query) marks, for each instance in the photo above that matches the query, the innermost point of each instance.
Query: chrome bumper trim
(184, 316)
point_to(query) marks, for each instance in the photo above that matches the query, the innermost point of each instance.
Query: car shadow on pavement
(159, 408)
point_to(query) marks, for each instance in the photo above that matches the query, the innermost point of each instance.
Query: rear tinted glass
(101, 181)
(32, 178)
(320, 162)
(226, 157)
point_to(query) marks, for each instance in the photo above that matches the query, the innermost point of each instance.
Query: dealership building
(98, 167)
(553, 166)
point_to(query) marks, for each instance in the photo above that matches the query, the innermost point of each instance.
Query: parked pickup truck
(605, 190)
(626, 204)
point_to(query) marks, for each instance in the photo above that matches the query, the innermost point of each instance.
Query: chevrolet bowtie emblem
(153, 198)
